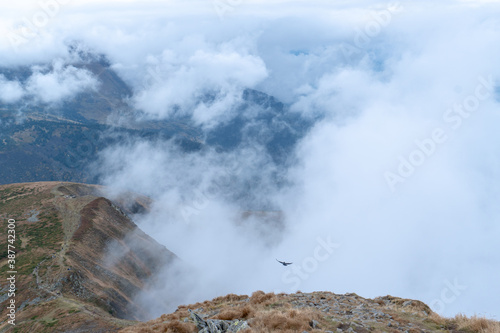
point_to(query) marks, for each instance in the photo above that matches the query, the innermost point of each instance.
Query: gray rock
(34, 216)
(217, 326)
(314, 324)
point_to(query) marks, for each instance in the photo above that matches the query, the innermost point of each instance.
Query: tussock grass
(476, 324)
(437, 319)
(178, 327)
(230, 298)
(165, 327)
(462, 323)
(260, 297)
(289, 320)
(237, 313)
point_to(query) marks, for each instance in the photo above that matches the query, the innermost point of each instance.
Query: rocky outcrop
(217, 326)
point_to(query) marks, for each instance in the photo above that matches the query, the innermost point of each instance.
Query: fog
(395, 188)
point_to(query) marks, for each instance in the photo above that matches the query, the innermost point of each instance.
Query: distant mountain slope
(80, 259)
(52, 149)
(263, 120)
(88, 106)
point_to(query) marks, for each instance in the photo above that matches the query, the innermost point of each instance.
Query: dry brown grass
(140, 328)
(164, 327)
(260, 297)
(476, 324)
(179, 314)
(178, 327)
(397, 303)
(441, 321)
(230, 298)
(236, 313)
(289, 320)
(462, 323)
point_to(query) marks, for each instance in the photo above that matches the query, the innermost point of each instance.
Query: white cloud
(50, 84)
(10, 91)
(178, 81)
(61, 83)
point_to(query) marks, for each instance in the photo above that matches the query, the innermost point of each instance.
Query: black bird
(284, 263)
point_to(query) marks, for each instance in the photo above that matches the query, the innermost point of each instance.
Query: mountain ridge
(80, 259)
(310, 312)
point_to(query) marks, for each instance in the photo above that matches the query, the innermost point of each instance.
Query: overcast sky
(401, 177)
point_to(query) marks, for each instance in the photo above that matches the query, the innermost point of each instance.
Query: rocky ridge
(311, 312)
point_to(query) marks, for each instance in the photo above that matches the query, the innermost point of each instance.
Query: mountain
(262, 120)
(79, 259)
(310, 312)
(52, 149)
(89, 106)
(43, 141)
(58, 142)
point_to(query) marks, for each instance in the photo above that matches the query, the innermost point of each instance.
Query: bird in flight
(284, 263)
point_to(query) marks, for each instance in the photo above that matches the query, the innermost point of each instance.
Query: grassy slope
(63, 283)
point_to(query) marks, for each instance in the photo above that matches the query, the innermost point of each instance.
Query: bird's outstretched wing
(284, 263)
